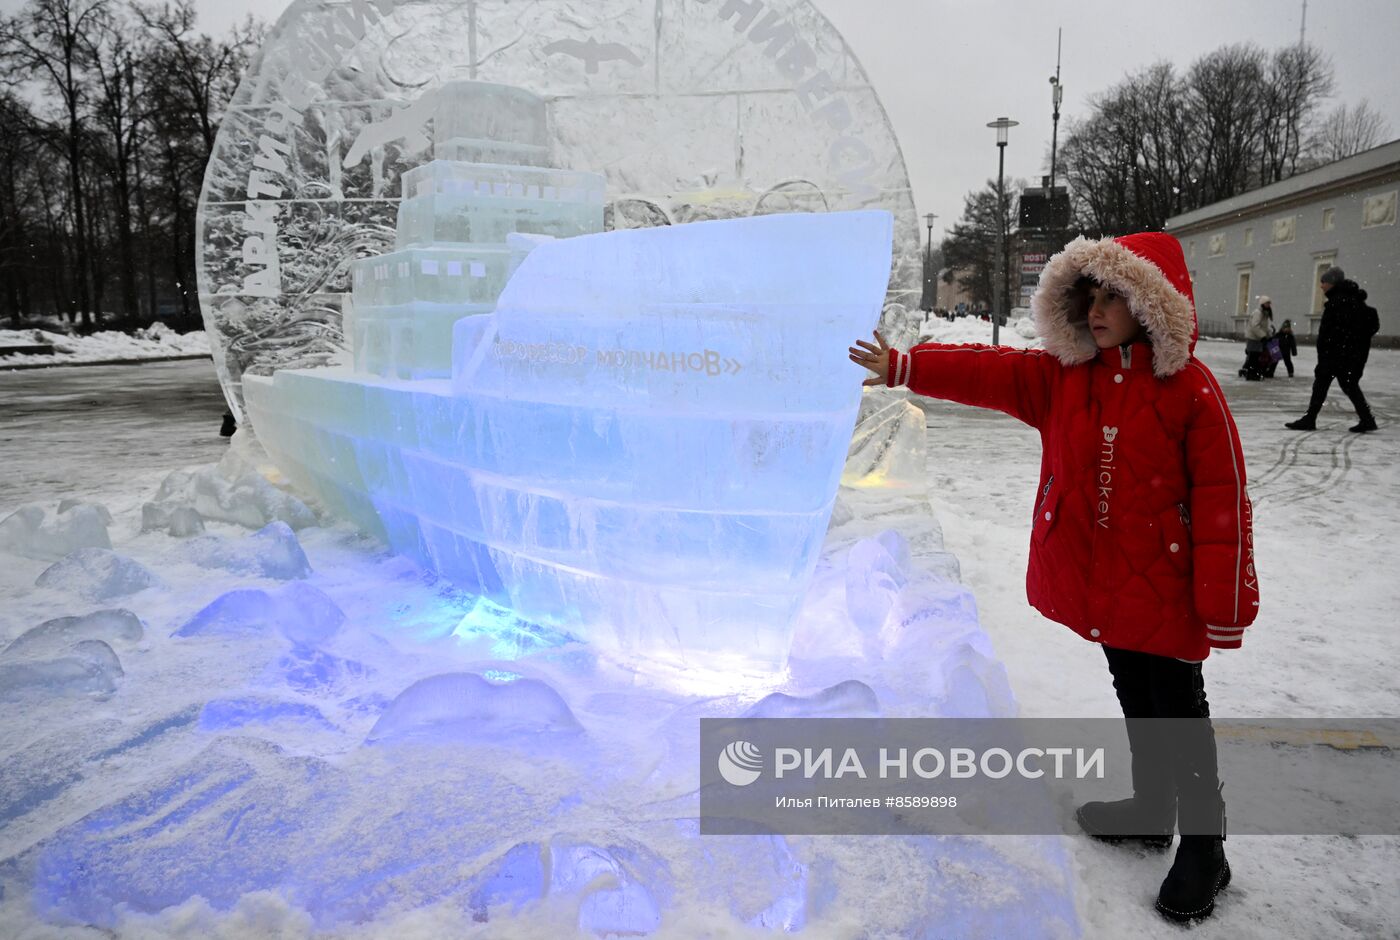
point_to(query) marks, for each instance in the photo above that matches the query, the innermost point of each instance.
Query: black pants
(1251, 368)
(1348, 379)
(1174, 761)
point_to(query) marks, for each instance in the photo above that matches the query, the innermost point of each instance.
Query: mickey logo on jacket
(1109, 434)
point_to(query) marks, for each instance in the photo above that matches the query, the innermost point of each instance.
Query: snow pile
(299, 612)
(172, 519)
(155, 342)
(86, 673)
(231, 491)
(464, 706)
(28, 532)
(271, 552)
(63, 633)
(98, 574)
(1018, 331)
(67, 657)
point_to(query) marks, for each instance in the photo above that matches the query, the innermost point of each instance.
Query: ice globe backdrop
(689, 111)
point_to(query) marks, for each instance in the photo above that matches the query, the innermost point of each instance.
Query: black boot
(1200, 870)
(1366, 424)
(1131, 820)
(229, 425)
(1149, 816)
(1199, 873)
(1305, 423)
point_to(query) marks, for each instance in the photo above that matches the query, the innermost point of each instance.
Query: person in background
(1343, 345)
(1287, 346)
(1256, 333)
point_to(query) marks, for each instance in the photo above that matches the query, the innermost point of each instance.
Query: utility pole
(1303, 27)
(1056, 95)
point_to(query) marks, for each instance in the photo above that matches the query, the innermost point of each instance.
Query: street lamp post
(1002, 125)
(930, 295)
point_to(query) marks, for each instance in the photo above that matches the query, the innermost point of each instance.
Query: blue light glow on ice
(309, 754)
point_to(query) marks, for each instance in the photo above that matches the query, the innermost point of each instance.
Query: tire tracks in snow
(1284, 482)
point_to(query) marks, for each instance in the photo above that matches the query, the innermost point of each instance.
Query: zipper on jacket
(1045, 492)
(1185, 515)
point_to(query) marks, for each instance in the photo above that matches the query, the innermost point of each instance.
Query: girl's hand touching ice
(874, 357)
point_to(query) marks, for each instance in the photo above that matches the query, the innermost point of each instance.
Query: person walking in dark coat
(1343, 345)
(1287, 346)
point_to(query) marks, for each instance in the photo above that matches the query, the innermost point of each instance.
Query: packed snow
(157, 341)
(1018, 330)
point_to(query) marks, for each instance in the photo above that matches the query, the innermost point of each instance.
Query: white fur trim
(1164, 310)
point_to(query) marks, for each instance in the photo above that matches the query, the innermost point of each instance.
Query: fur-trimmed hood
(1148, 269)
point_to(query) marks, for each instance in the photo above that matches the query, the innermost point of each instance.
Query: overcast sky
(944, 68)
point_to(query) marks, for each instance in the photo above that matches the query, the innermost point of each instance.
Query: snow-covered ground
(1324, 646)
(155, 342)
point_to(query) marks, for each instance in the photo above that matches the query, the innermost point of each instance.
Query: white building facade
(1277, 241)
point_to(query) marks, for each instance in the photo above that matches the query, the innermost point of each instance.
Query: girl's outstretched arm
(1004, 378)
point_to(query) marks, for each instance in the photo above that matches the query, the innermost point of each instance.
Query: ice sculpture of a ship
(633, 436)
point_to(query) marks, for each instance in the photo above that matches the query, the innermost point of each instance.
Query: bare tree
(200, 73)
(45, 44)
(1299, 77)
(1156, 145)
(1128, 162)
(1226, 89)
(116, 105)
(1348, 131)
(110, 114)
(19, 208)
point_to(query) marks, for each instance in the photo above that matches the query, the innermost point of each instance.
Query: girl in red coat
(1141, 538)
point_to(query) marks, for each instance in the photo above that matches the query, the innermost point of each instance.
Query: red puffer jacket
(1142, 531)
